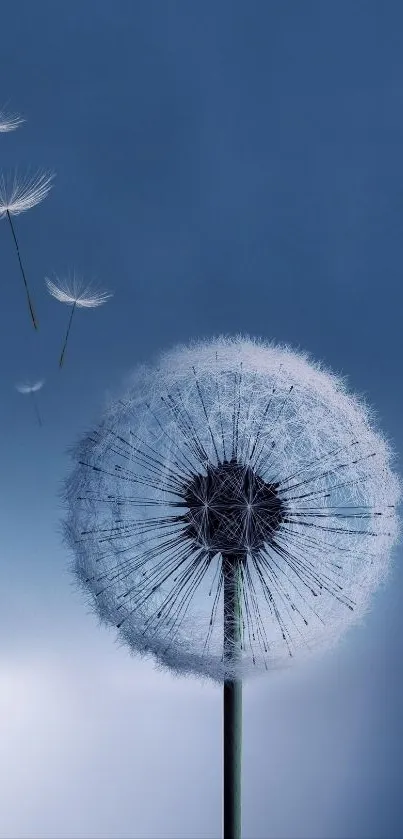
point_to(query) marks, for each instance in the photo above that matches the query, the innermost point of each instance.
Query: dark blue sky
(222, 167)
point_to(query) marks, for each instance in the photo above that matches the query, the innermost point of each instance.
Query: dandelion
(9, 121)
(17, 196)
(233, 512)
(32, 389)
(77, 294)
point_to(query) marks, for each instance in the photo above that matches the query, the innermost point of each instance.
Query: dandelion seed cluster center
(231, 509)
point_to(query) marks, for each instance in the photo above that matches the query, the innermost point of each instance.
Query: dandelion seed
(32, 389)
(9, 122)
(74, 292)
(16, 196)
(233, 512)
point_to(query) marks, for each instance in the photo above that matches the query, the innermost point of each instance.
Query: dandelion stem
(37, 414)
(232, 705)
(67, 335)
(33, 318)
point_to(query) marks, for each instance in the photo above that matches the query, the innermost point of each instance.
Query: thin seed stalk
(232, 700)
(61, 360)
(31, 308)
(36, 409)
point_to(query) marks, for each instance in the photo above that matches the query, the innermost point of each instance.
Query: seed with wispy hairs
(32, 388)
(9, 121)
(18, 194)
(79, 295)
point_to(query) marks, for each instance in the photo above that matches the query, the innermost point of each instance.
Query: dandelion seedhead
(77, 294)
(32, 389)
(237, 461)
(16, 196)
(9, 121)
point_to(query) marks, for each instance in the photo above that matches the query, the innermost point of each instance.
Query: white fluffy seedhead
(9, 121)
(21, 193)
(232, 454)
(75, 292)
(28, 387)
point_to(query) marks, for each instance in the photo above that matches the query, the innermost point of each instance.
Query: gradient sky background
(222, 167)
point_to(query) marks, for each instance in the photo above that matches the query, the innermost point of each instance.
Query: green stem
(232, 705)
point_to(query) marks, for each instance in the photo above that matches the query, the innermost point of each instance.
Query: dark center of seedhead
(231, 509)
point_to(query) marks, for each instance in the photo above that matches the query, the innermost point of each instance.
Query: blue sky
(222, 167)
